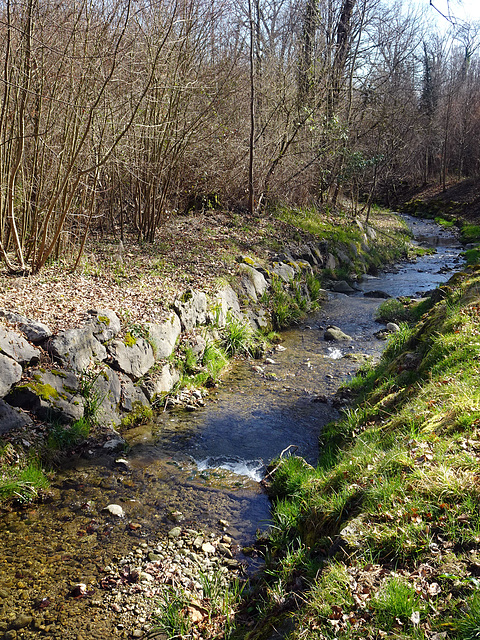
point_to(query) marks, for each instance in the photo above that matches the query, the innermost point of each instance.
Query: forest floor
(140, 280)
(464, 195)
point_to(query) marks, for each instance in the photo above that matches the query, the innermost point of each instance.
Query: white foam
(334, 353)
(253, 469)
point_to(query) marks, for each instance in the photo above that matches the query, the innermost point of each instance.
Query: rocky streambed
(182, 501)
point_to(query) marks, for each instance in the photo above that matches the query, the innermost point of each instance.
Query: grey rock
(248, 288)
(131, 394)
(105, 324)
(286, 256)
(50, 395)
(342, 287)
(301, 265)
(176, 532)
(316, 253)
(377, 294)
(115, 443)
(252, 262)
(370, 233)
(34, 331)
(10, 374)
(106, 391)
(12, 418)
(225, 303)
(258, 319)
(76, 348)
(191, 309)
(331, 262)
(16, 347)
(392, 327)
(353, 248)
(283, 271)
(134, 360)
(344, 258)
(163, 382)
(163, 336)
(335, 334)
(197, 344)
(305, 253)
(224, 550)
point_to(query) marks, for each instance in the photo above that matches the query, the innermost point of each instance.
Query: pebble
(115, 510)
(22, 621)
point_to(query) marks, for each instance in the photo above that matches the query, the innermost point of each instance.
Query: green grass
(445, 222)
(341, 231)
(470, 233)
(472, 256)
(62, 437)
(392, 310)
(215, 611)
(22, 479)
(396, 601)
(238, 337)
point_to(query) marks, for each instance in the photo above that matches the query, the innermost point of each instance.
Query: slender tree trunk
(251, 159)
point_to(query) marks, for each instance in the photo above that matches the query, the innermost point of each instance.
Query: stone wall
(60, 377)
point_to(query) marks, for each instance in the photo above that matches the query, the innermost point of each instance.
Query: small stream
(201, 467)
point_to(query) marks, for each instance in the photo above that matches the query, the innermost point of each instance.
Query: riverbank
(382, 538)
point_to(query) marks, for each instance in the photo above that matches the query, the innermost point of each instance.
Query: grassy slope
(383, 538)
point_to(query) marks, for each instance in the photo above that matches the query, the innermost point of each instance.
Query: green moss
(105, 320)
(186, 296)
(130, 340)
(58, 373)
(41, 389)
(140, 414)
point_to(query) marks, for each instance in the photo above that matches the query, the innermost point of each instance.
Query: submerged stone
(335, 334)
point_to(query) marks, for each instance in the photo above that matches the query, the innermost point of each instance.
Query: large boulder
(163, 337)
(253, 281)
(16, 347)
(10, 374)
(342, 287)
(191, 309)
(34, 331)
(283, 271)
(133, 356)
(105, 393)
(331, 262)
(132, 394)
(50, 394)
(12, 418)
(225, 303)
(259, 319)
(163, 382)
(105, 324)
(77, 348)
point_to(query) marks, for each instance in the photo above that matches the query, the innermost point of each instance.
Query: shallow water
(199, 467)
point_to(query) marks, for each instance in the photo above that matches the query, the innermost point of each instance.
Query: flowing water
(203, 466)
